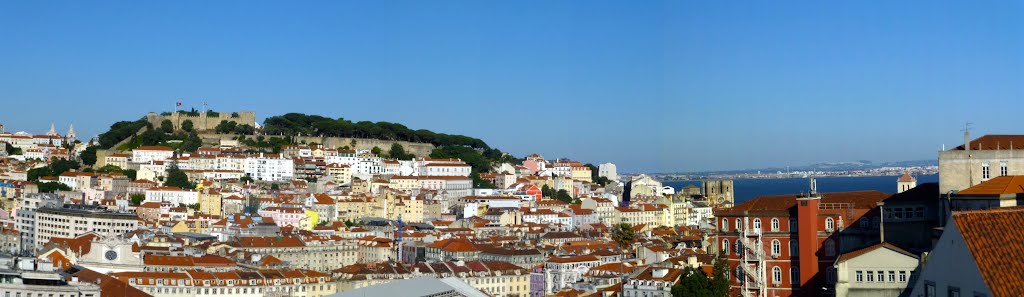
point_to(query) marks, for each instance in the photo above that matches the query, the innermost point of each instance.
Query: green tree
(177, 178)
(89, 156)
(130, 173)
(397, 151)
(151, 137)
(109, 169)
(546, 191)
(245, 129)
(194, 206)
(167, 126)
(274, 187)
(563, 195)
(479, 182)
(623, 235)
(225, 127)
(245, 179)
(376, 150)
(192, 142)
(186, 125)
(720, 279)
(52, 187)
(137, 198)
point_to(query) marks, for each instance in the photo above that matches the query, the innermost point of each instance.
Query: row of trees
(301, 124)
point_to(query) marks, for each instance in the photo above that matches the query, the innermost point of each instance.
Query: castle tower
(905, 182)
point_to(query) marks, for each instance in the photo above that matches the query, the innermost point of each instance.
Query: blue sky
(652, 86)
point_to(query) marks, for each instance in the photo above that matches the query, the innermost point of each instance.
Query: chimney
(659, 272)
(967, 140)
(807, 234)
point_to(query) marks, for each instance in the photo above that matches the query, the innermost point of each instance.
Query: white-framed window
(739, 224)
(776, 248)
(725, 224)
(903, 276)
(860, 276)
(725, 246)
(776, 275)
(757, 224)
(871, 276)
(830, 224)
(739, 274)
(984, 171)
(892, 276)
(1002, 169)
(775, 225)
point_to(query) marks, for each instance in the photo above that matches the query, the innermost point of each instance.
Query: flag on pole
(179, 103)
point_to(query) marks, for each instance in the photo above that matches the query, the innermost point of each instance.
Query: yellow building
(210, 202)
(342, 174)
(581, 172)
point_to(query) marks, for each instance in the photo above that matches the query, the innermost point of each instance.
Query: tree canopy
(313, 125)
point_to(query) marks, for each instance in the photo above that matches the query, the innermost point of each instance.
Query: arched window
(739, 274)
(757, 224)
(738, 247)
(776, 275)
(794, 275)
(725, 224)
(776, 247)
(793, 248)
(739, 224)
(865, 223)
(830, 248)
(725, 246)
(775, 225)
(874, 222)
(830, 224)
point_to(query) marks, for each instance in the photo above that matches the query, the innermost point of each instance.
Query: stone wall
(415, 148)
(203, 122)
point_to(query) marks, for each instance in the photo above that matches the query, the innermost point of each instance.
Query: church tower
(905, 182)
(70, 137)
(53, 130)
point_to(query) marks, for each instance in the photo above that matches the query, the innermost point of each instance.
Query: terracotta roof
(574, 259)
(1009, 184)
(854, 254)
(859, 199)
(906, 178)
(996, 246)
(993, 142)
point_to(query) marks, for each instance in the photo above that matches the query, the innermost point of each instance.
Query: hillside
(300, 129)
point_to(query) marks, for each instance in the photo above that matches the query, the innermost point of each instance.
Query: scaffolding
(753, 264)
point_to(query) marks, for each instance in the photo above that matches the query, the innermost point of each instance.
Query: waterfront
(745, 189)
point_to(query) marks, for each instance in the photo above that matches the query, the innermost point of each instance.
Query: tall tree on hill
(186, 125)
(167, 126)
(177, 178)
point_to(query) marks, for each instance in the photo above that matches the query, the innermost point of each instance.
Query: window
(725, 246)
(830, 224)
(892, 276)
(776, 275)
(830, 248)
(1002, 168)
(865, 223)
(776, 248)
(860, 276)
(739, 274)
(984, 171)
(793, 248)
(725, 225)
(871, 276)
(953, 291)
(738, 224)
(775, 225)
(794, 275)
(919, 212)
(903, 276)
(757, 224)
(881, 276)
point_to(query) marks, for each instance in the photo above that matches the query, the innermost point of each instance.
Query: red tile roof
(994, 142)
(1010, 184)
(997, 245)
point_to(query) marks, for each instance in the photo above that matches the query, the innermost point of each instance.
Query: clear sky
(652, 86)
